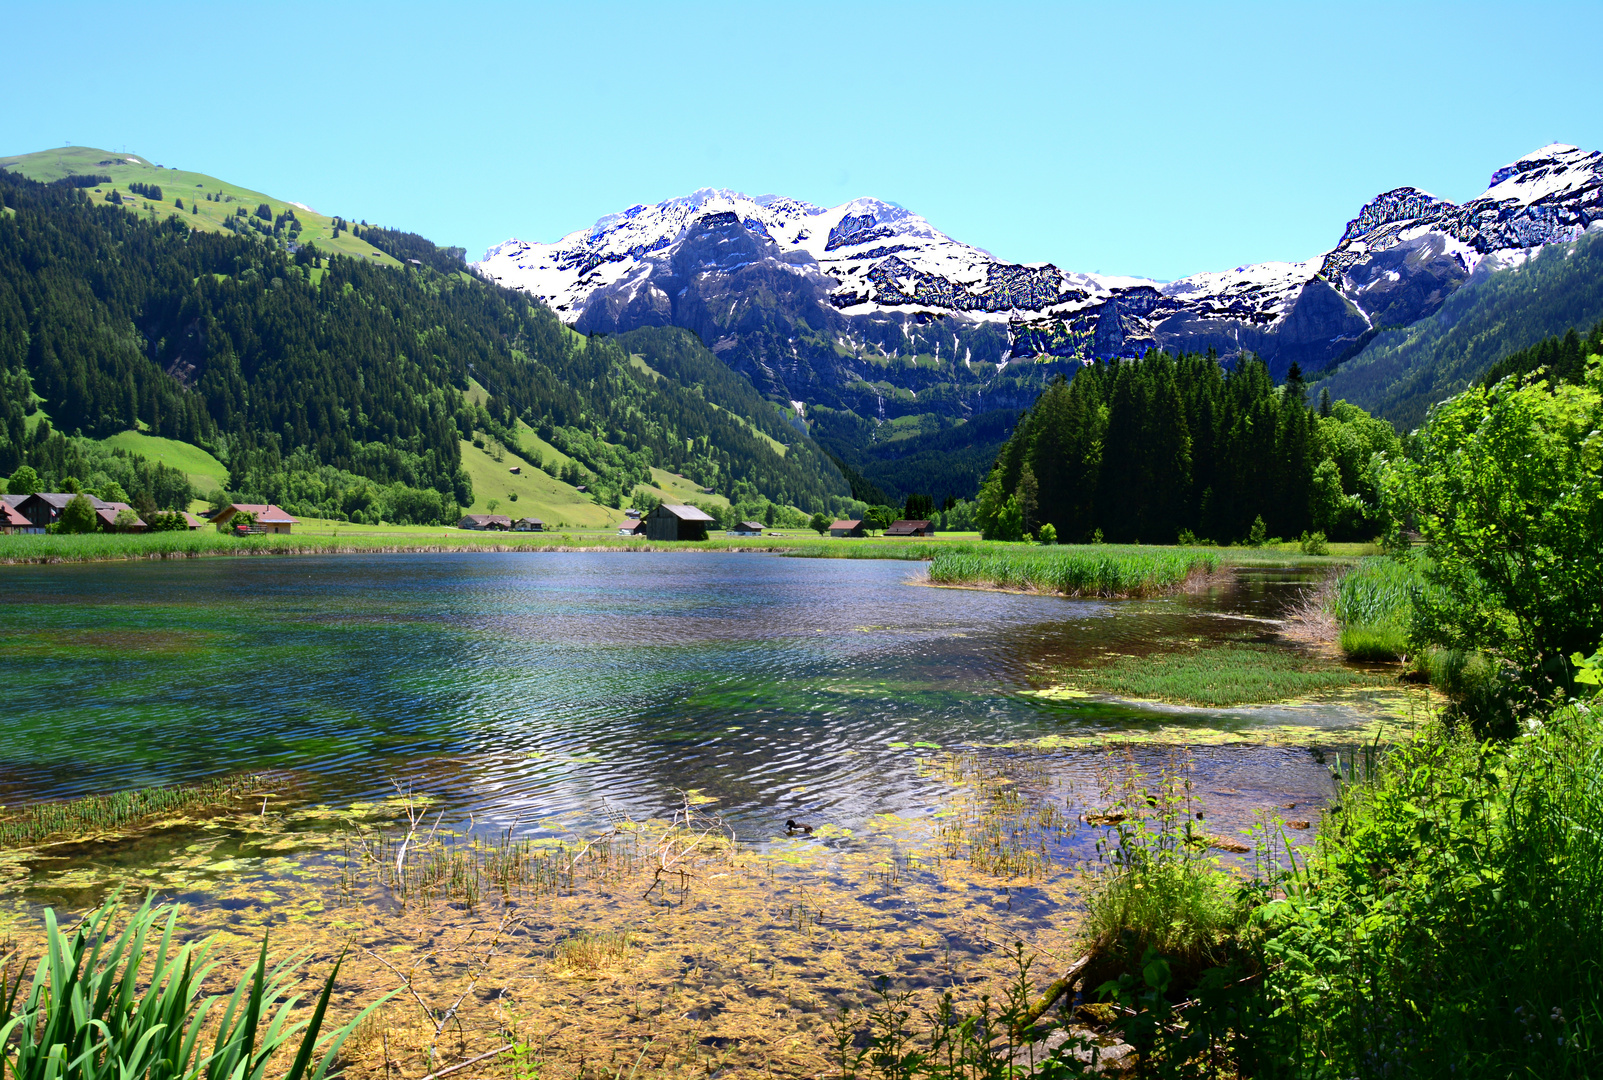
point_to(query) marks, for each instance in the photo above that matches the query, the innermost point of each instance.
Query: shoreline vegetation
(1102, 570)
(90, 816)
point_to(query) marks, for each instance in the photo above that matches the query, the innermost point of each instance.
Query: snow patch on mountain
(1403, 252)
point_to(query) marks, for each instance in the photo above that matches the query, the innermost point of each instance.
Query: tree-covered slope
(204, 202)
(1402, 372)
(335, 385)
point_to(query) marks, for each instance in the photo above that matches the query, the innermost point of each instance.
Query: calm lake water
(539, 687)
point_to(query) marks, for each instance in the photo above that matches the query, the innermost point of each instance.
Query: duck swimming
(796, 826)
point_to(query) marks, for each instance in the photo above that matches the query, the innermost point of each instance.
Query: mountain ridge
(870, 257)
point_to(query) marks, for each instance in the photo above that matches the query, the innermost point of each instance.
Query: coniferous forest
(1177, 447)
(332, 386)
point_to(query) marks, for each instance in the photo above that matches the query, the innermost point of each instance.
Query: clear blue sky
(1157, 140)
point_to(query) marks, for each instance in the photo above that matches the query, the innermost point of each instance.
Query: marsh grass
(1377, 644)
(1221, 675)
(96, 815)
(1156, 888)
(1091, 570)
(1373, 604)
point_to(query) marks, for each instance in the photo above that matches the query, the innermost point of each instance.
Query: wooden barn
(847, 528)
(481, 522)
(747, 528)
(677, 523)
(910, 528)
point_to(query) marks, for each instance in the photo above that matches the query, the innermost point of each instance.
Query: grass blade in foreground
(81, 1016)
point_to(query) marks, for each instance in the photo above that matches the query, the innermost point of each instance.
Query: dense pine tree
(1155, 448)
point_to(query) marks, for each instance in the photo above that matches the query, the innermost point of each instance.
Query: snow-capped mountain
(794, 293)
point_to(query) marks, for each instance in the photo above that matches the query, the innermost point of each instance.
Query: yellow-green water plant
(105, 1004)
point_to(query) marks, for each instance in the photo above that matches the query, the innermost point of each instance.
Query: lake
(547, 688)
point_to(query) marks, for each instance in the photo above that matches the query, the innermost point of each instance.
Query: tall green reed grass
(1093, 570)
(1373, 604)
(96, 814)
(108, 1005)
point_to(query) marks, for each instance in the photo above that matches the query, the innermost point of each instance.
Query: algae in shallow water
(1221, 676)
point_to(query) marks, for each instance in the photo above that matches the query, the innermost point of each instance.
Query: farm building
(44, 508)
(634, 527)
(747, 528)
(269, 518)
(107, 515)
(528, 525)
(910, 528)
(13, 520)
(677, 523)
(847, 528)
(483, 522)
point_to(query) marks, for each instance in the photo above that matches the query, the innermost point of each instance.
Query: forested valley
(337, 388)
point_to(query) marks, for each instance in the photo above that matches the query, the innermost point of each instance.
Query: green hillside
(1403, 372)
(192, 188)
(346, 387)
(205, 472)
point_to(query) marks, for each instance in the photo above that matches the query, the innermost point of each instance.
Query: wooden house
(269, 518)
(485, 522)
(910, 528)
(107, 516)
(677, 523)
(43, 509)
(633, 527)
(13, 520)
(747, 528)
(528, 525)
(847, 528)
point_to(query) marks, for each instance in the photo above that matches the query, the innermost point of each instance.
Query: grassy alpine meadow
(1099, 570)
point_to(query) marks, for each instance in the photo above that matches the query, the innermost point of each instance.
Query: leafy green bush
(1505, 484)
(1313, 543)
(1450, 920)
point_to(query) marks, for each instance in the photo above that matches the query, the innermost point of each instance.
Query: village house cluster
(36, 513)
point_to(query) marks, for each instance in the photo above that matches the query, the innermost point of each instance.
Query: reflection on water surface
(536, 686)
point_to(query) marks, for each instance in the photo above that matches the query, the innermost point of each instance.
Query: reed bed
(1373, 605)
(98, 814)
(1091, 570)
(109, 1005)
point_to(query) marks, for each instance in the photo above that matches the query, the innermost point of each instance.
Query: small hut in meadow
(269, 518)
(485, 522)
(910, 528)
(847, 527)
(528, 525)
(677, 523)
